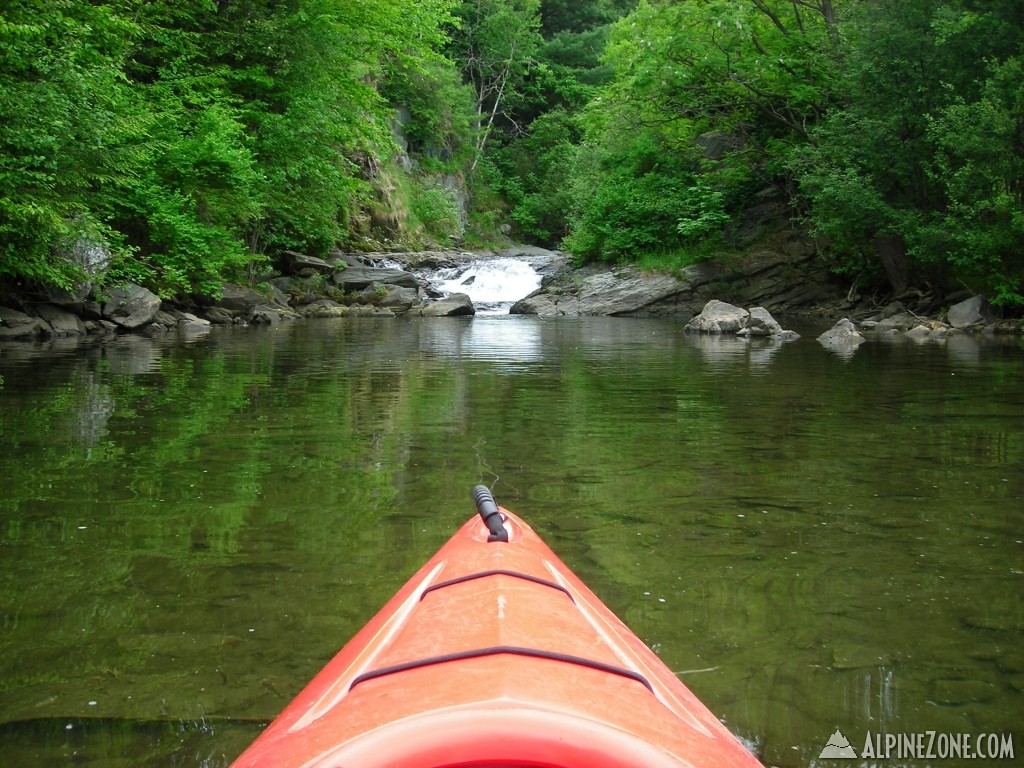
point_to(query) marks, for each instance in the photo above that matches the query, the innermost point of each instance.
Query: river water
(191, 528)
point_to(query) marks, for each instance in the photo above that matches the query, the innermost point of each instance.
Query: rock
(359, 278)
(296, 263)
(338, 257)
(967, 313)
(269, 314)
(715, 145)
(163, 321)
(191, 324)
(621, 292)
(219, 316)
(130, 306)
(324, 308)
(539, 303)
(61, 322)
(100, 326)
(368, 310)
(892, 310)
(843, 333)
(400, 299)
(919, 332)
(760, 323)
(452, 306)
(238, 299)
(18, 325)
(718, 317)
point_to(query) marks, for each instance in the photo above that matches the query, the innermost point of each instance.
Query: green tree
(753, 77)
(918, 177)
(495, 46)
(190, 136)
(67, 129)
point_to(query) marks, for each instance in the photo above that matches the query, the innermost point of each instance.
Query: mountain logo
(837, 747)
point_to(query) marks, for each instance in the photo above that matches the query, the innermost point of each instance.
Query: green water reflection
(190, 530)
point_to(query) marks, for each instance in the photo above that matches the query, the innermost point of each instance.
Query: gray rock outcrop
(360, 278)
(761, 323)
(771, 279)
(130, 306)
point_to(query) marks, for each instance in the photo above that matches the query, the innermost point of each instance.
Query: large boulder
(760, 323)
(843, 334)
(399, 299)
(457, 304)
(238, 299)
(18, 325)
(621, 292)
(541, 303)
(269, 314)
(360, 278)
(62, 322)
(718, 317)
(130, 306)
(967, 313)
(219, 316)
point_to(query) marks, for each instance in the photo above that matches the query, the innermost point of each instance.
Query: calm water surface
(189, 530)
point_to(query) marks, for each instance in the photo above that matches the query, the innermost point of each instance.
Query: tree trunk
(893, 255)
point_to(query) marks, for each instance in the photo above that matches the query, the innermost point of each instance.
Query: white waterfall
(494, 285)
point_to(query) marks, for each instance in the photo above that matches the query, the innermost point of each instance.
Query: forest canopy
(184, 143)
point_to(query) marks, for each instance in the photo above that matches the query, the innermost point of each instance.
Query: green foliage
(190, 137)
(755, 75)
(536, 176)
(436, 208)
(573, 16)
(926, 154)
(441, 110)
(65, 124)
(180, 142)
(495, 45)
(761, 69)
(639, 198)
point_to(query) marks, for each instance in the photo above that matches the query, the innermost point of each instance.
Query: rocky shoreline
(792, 284)
(393, 284)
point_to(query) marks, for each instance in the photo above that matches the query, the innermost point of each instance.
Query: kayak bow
(495, 654)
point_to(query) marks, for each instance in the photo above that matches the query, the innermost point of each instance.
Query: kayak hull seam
(515, 650)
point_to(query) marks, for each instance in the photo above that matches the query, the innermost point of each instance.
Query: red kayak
(495, 654)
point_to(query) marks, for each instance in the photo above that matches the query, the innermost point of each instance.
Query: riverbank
(397, 284)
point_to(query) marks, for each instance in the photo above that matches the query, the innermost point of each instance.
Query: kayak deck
(496, 654)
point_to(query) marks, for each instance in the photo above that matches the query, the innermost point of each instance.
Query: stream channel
(191, 528)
